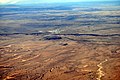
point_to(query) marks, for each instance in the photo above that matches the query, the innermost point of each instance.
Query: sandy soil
(32, 59)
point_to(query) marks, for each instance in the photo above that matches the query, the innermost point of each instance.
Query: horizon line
(58, 2)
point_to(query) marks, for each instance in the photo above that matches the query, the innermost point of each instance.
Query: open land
(72, 42)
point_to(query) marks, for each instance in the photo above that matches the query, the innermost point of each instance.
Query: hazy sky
(42, 1)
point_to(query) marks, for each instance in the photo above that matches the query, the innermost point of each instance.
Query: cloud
(13, 2)
(9, 1)
(42, 1)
